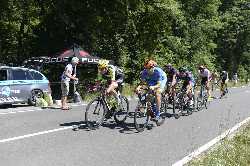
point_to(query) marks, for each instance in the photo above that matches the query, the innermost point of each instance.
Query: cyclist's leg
(189, 91)
(222, 88)
(158, 94)
(208, 89)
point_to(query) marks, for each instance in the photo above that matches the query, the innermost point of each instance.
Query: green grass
(230, 152)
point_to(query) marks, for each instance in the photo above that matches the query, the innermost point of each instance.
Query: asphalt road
(32, 136)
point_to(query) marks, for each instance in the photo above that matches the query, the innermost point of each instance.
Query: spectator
(65, 79)
(235, 78)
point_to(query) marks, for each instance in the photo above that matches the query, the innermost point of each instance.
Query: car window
(18, 75)
(36, 75)
(3, 75)
(28, 75)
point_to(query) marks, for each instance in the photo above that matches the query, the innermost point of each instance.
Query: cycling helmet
(182, 69)
(150, 64)
(168, 66)
(75, 60)
(103, 63)
(201, 67)
(224, 72)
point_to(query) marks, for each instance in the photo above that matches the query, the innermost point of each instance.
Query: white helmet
(74, 60)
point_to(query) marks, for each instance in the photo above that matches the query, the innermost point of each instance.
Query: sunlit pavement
(36, 136)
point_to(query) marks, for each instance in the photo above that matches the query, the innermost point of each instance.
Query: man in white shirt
(205, 75)
(65, 79)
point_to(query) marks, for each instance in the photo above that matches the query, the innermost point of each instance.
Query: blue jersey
(154, 77)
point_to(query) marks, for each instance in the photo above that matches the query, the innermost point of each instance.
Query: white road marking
(34, 134)
(22, 109)
(14, 112)
(205, 147)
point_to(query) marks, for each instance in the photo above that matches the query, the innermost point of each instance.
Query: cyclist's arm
(67, 74)
(173, 80)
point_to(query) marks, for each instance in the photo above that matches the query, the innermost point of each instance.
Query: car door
(21, 84)
(5, 87)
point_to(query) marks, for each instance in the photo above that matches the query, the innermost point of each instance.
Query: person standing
(235, 78)
(65, 79)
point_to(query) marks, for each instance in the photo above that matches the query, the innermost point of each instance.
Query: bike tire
(95, 113)
(121, 115)
(199, 104)
(141, 117)
(163, 112)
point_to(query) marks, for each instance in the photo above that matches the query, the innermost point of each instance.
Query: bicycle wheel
(205, 101)
(178, 105)
(199, 103)
(95, 113)
(122, 113)
(141, 117)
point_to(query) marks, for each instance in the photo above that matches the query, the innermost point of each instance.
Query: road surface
(31, 136)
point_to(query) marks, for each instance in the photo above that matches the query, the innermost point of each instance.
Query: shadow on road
(77, 125)
(127, 127)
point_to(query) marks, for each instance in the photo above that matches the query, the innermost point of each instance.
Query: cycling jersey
(224, 76)
(205, 73)
(205, 76)
(113, 73)
(187, 78)
(157, 76)
(171, 73)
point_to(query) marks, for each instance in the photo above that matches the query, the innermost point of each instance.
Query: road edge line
(205, 147)
(34, 134)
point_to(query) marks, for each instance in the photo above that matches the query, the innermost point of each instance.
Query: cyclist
(205, 79)
(188, 82)
(172, 74)
(224, 80)
(113, 74)
(156, 79)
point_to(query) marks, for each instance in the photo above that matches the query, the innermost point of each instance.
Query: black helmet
(168, 66)
(182, 69)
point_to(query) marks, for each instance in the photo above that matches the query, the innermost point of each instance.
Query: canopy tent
(63, 57)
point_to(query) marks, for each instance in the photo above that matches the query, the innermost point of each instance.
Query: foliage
(182, 32)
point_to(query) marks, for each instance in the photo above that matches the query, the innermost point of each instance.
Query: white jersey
(69, 70)
(205, 73)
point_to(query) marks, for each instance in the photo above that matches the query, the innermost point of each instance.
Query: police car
(21, 85)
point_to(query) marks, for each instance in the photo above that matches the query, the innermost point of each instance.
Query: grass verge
(230, 152)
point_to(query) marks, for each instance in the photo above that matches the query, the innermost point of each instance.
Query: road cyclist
(149, 107)
(110, 79)
(185, 97)
(224, 80)
(169, 95)
(205, 76)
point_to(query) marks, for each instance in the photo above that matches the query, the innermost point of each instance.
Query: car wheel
(36, 93)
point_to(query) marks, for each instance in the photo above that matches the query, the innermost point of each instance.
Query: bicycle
(223, 89)
(169, 99)
(144, 110)
(202, 99)
(183, 103)
(99, 109)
